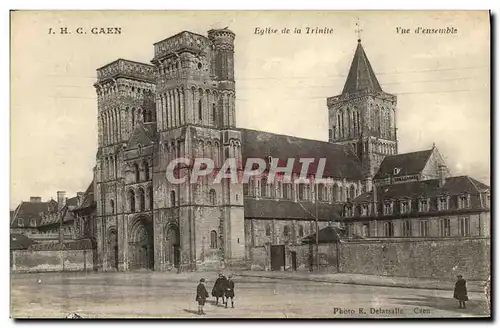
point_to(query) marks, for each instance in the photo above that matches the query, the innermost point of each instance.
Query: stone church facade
(183, 105)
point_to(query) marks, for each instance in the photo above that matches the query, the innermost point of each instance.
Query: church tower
(364, 116)
(197, 223)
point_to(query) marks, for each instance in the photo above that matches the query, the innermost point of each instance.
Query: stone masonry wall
(416, 258)
(52, 261)
(429, 258)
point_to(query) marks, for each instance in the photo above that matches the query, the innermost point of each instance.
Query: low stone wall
(418, 258)
(435, 258)
(71, 256)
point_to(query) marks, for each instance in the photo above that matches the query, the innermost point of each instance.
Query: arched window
(341, 194)
(146, 170)
(301, 231)
(142, 200)
(301, 191)
(200, 112)
(112, 206)
(214, 115)
(137, 173)
(212, 196)
(131, 200)
(278, 189)
(213, 239)
(352, 193)
(133, 117)
(268, 230)
(179, 109)
(286, 231)
(151, 199)
(172, 198)
(321, 192)
(263, 187)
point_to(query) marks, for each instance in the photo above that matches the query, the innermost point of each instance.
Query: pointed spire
(361, 76)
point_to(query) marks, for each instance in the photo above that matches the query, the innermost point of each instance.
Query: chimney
(374, 198)
(442, 177)
(61, 199)
(79, 197)
(35, 199)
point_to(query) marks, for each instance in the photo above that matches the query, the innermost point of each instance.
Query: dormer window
(405, 206)
(423, 205)
(463, 201)
(396, 171)
(443, 203)
(364, 209)
(348, 210)
(20, 222)
(388, 208)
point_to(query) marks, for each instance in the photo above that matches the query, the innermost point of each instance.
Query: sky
(442, 81)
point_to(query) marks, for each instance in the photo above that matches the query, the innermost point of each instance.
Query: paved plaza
(170, 295)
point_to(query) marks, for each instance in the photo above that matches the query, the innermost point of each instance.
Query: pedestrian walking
(219, 288)
(230, 291)
(460, 292)
(201, 296)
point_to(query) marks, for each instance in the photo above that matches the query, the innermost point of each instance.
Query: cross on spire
(358, 30)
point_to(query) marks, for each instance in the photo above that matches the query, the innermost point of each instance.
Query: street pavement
(170, 295)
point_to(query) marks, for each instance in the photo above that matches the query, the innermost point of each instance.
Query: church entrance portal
(141, 245)
(113, 250)
(172, 246)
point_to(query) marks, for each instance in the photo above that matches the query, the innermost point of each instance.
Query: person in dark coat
(230, 291)
(219, 288)
(460, 292)
(201, 295)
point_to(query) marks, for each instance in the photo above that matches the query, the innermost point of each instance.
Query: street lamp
(317, 227)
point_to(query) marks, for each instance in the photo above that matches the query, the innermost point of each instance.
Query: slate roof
(19, 241)
(341, 161)
(67, 245)
(361, 75)
(426, 188)
(31, 210)
(328, 235)
(409, 163)
(287, 209)
(88, 197)
(72, 202)
(143, 134)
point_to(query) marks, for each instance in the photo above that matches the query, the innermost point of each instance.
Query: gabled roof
(328, 235)
(72, 202)
(287, 209)
(408, 164)
(88, 197)
(143, 134)
(19, 241)
(341, 162)
(426, 188)
(361, 75)
(29, 211)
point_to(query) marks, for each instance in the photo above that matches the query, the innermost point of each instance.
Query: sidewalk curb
(474, 290)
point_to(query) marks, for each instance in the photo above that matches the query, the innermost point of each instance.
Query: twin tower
(181, 106)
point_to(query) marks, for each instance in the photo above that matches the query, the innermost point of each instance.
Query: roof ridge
(290, 136)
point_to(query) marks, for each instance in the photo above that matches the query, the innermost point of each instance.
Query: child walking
(201, 296)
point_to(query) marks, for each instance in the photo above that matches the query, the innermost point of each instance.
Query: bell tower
(363, 116)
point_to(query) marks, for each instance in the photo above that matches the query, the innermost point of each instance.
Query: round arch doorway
(172, 246)
(141, 250)
(112, 249)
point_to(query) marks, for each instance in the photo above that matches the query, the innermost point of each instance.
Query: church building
(183, 105)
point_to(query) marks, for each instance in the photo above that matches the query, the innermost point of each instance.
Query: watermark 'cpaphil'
(254, 167)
